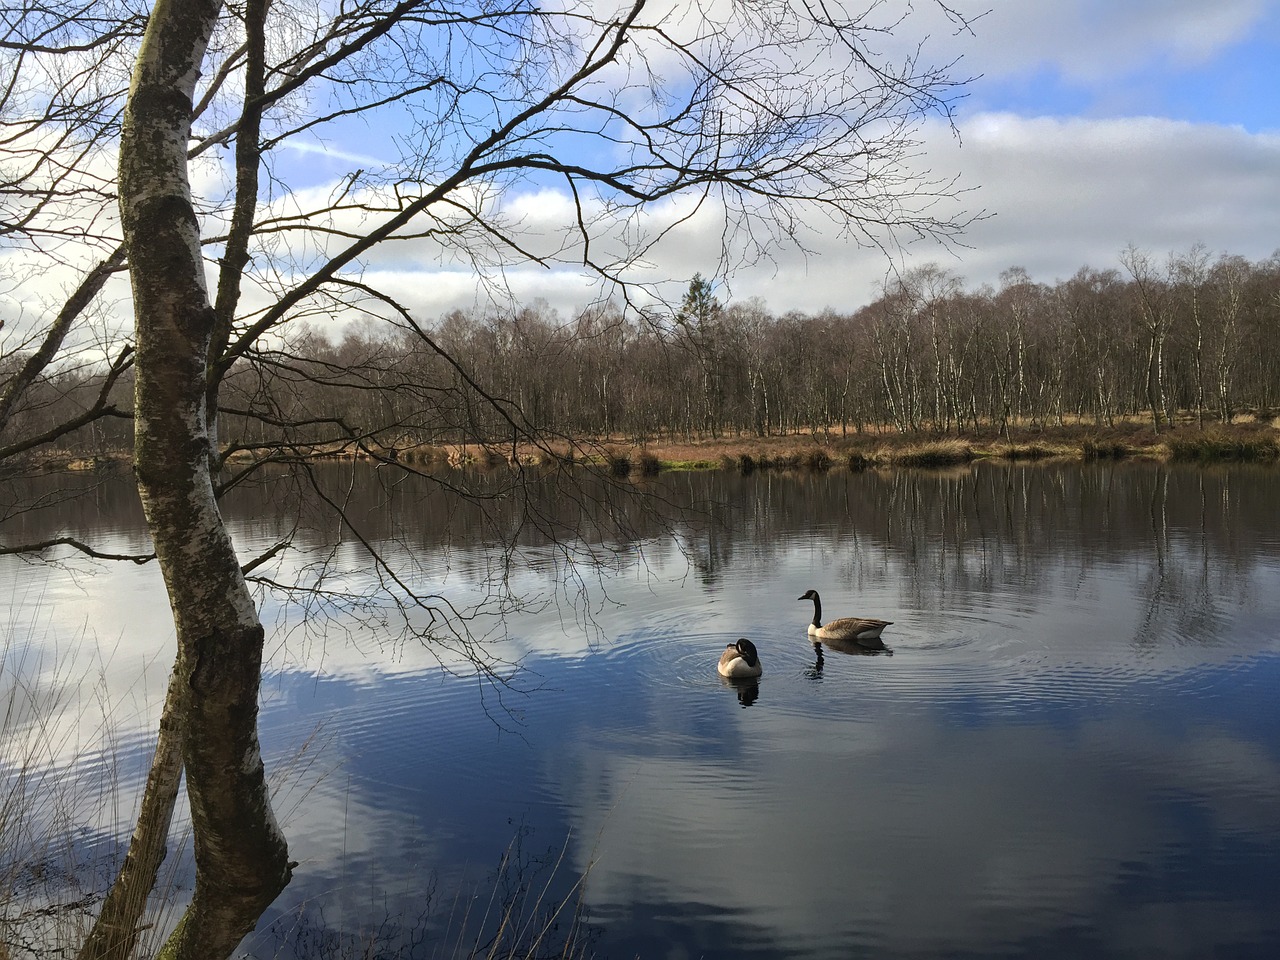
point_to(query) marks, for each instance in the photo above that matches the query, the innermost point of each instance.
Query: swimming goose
(739, 660)
(859, 629)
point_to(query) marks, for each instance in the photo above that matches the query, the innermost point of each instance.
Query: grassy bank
(1249, 441)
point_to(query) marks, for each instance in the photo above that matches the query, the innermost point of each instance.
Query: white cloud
(1066, 193)
(1062, 194)
(1093, 41)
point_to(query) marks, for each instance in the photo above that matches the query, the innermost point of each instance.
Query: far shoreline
(1244, 441)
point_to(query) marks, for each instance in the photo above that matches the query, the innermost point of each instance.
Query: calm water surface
(1071, 749)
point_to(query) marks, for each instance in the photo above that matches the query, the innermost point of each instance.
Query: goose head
(817, 608)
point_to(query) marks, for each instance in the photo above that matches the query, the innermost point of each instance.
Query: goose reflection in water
(847, 647)
(747, 688)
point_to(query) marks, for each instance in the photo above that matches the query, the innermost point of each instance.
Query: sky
(1089, 126)
(1092, 125)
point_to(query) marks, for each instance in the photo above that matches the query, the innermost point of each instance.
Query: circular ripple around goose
(670, 658)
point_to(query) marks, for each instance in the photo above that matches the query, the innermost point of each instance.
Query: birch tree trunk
(241, 856)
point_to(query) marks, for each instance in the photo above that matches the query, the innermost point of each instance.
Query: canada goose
(739, 660)
(859, 629)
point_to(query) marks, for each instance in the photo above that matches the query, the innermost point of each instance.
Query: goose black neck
(817, 611)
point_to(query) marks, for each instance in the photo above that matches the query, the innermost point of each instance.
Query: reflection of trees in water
(1190, 537)
(847, 648)
(1193, 538)
(71, 503)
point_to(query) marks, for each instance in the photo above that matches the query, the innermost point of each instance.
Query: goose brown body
(739, 660)
(858, 629)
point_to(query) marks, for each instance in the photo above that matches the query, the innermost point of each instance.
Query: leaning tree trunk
(241, 856)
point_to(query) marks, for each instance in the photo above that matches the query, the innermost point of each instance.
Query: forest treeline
(1193, 337)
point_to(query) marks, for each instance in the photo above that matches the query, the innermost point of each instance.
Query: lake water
(1071, 748)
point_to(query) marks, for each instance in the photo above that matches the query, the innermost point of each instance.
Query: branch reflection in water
(1082, 673)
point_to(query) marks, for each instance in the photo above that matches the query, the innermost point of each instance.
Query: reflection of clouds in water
(122, 607)
(885, 826)
(349, 842)
(1237, 780)
(89, 654)
(1091, 616)
(364, 866)
(1057, 738)
(1240, 778)
(1185, 930)
(924, 837)
(944, 556)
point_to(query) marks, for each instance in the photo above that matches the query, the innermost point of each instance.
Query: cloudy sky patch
(1090, 126)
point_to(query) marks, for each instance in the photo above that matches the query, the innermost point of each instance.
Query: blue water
(1072, 747)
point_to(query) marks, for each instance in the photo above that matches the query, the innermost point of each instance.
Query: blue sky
(1233, 80)
(1091, 125)
(1094, 125)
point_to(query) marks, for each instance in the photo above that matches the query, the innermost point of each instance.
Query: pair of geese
(740, 660)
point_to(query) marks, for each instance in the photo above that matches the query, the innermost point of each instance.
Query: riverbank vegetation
(1097, 360)
(1244, 440)
(1177, 363)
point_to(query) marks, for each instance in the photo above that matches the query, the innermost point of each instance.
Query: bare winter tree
(766, 117)
(1153, 300)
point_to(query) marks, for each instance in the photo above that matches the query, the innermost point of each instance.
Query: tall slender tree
(762, 114)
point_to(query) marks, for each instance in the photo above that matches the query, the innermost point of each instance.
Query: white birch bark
(241, 856)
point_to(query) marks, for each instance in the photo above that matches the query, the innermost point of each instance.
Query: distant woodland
(1192, 338)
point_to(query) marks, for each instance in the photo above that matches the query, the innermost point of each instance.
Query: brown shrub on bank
(1218, 445)
(937, 453)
